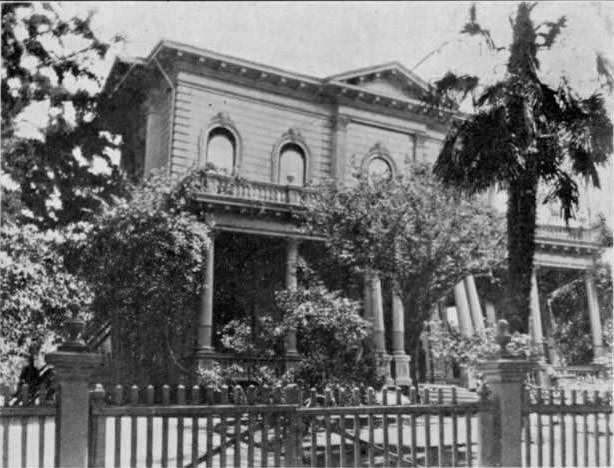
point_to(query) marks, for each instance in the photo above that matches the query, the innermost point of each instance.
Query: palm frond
(605, 70)
(565, 190)
(478, 152)
(473, 28)
(492, 95)
(554, 28)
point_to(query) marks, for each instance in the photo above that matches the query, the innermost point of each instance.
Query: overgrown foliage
(523, 132)
(413, 231)
(48, 64)
(144, 260)
(37, 294)
(448, 344)
(572, 331)
(333, 340)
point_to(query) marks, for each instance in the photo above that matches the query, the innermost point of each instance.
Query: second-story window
(221, 149)
(291, 165)
(379, 168)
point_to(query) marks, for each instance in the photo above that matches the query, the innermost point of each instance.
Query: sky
(324, 38)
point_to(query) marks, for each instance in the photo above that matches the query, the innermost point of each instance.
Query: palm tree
(524, 133)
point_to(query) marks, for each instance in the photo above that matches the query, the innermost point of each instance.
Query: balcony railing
(232, 189)
(563, 234)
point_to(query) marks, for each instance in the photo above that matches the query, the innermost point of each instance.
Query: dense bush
(448, 344)
(332, 339)
(144, 260)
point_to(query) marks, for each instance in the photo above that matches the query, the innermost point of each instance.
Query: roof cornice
(331, 87)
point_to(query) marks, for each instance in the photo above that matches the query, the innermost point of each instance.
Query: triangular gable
(390, 79)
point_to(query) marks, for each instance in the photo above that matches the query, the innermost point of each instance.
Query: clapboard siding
(259, 123)
(362, 137)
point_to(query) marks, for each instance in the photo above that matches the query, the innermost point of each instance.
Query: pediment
(392, 79)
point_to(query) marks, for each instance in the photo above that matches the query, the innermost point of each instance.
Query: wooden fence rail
(567, 428)
(27, 433)
(333, 429)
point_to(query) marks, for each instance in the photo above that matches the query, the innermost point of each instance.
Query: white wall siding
(259, 123)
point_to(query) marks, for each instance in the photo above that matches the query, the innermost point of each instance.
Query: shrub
(144, 259)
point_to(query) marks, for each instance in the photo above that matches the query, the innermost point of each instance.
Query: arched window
(379, 168)
(291, 165)
(221, 149)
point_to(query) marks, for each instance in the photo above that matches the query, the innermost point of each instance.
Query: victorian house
(184, 107)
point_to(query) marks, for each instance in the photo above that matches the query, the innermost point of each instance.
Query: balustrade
(226, 186)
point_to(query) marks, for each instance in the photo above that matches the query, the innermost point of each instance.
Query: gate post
(292, 443)
(501, 431)
(73, 367)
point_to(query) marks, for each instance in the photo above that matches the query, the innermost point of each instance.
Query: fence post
(501, 431)
(73, 367)
(291, 450)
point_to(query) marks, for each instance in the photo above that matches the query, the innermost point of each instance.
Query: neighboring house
(183, 107)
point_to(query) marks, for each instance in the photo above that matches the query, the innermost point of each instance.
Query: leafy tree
(48, 63)
(523, 132)
(37, 294)
(413, 231)
(144, 260)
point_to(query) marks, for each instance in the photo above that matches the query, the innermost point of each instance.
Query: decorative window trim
(379, 151)
(292, 136)
(223, 121)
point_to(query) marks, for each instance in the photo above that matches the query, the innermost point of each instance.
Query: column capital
(340, 122)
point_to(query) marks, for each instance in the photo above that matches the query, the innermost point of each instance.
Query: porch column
(400, 358)
(204, 348)
(593, 314)
(462, 309)
(536, 318)
(491, 314)
(474, 303)
(291, 284)
(375, 313)
(438, 366)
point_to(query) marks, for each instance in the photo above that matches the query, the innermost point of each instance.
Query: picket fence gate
(281, 427)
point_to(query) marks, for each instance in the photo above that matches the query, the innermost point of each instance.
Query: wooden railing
(232, 188)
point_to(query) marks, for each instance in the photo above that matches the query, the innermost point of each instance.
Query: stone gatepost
(73, 368)
(500, 431)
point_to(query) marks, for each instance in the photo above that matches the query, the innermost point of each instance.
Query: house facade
(183, 108)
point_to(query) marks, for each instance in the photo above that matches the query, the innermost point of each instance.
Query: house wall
(158, 128)
(260, 118)
(362, 137)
